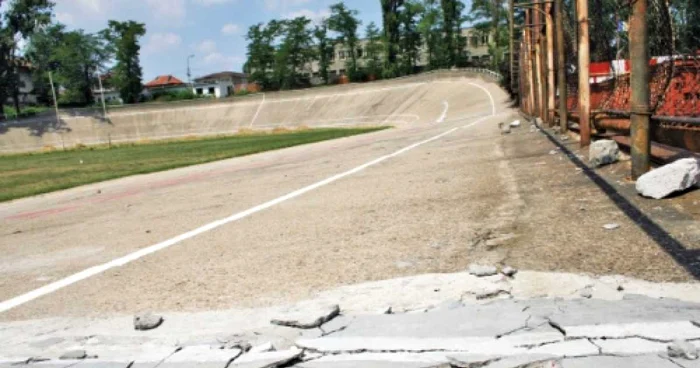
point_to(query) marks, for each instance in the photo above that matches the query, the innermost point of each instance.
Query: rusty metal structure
(646, 97)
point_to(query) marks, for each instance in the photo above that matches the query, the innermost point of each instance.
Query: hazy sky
(212, 30)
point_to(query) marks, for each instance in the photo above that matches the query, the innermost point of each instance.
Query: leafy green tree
(490, 18)
(78, 57)
(390, 18)
(451, 30)
(40, 52)
(295, 51)
(344, 21)
(123, 39)
(261, 53)
(325, 50)
(21, 19)
(410, 38)
(686, 20)
(430, 28)
(373, 50)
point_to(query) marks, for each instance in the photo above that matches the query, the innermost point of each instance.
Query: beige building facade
(477, 52)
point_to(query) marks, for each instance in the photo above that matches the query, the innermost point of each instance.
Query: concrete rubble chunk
(682, 349)
(307, 319)
(74, 355)
(267, 360)
(668, 179)
(515, 124)
(612, 226)
(482, 270)
(603, 152)
(147, 321)
(509, 271)
(505, 128)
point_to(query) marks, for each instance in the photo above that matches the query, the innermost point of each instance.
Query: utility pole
(189, 73)
(584, 62)
(639, 83)
(102, 92)
(55, 105)
(561, 65)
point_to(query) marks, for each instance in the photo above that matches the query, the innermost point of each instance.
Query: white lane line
(258, 111)
(446, 106)
(493, 102)
(96, 270)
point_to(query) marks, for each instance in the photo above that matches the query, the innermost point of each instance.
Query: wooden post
(584, 62)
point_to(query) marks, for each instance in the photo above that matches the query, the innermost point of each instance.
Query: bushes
(167, 96)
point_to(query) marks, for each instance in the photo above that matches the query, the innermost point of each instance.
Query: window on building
(475, 58)
(212, 90)
(475, 41)
(341, 55)
(359, 53)
(484, 39)
(200, 91)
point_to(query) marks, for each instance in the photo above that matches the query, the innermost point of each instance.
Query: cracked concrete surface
(445, 328)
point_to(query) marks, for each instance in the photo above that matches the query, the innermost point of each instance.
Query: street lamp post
(189, 72)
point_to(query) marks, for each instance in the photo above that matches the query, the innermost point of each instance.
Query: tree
(325, 50)
(344, 21)
(452, 29)
(410, 39)
(20, 21)
(78, 57)
(430, 28)
(295, 52)
(261, 52)
(390, 17)
(490, 17)
(373, 50)
(41, 53)
(123, 40)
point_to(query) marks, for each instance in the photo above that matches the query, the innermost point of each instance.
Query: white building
(219, 85)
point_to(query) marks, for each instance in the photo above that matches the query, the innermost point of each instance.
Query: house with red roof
(164, 84)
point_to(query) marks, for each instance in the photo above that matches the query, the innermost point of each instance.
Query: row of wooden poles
(542, 66)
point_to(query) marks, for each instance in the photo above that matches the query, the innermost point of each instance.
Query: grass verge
(24, 175)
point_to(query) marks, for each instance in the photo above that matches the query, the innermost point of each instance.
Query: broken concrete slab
(668, 179)
(472, 361)
(475, 320)
(102, 364)
(262, 348)
(308, 319)
(629, 346)
(640, 361)
(572, 348)
(378, 360)
(482, 270)
(147, 321)
(682, 349)
(509, 271)
(201, 357)
(603, 152)
(74, 355)
(267, 360)
(340, 345)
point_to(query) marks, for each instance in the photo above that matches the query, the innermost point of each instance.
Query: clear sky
(212, 30)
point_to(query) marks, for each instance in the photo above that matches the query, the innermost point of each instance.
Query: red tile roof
(164, 81)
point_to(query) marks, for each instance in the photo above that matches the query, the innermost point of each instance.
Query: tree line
(74, 58)
(280, 52)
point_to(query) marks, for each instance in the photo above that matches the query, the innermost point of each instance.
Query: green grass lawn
(23, 175)
(11, 113)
